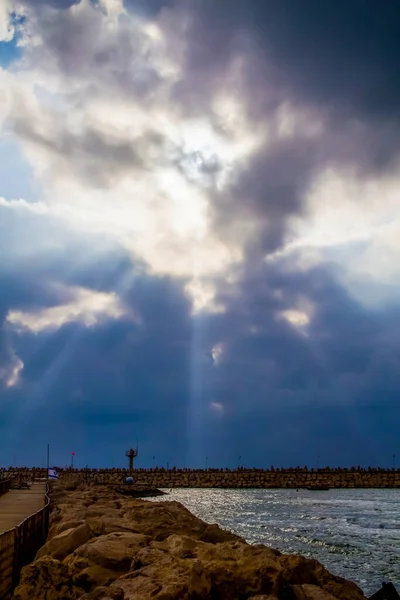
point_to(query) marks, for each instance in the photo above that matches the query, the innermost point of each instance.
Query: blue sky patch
(9, 53)
(16, 174)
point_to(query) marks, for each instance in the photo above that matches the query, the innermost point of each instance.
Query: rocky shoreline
(104, 546)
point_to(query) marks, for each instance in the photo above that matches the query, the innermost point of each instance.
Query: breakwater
(103, 546)
(241, 478)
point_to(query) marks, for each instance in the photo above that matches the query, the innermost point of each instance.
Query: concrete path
(16, 505)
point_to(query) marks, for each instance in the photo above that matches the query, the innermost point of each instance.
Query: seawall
(102, 546)
(246, 478)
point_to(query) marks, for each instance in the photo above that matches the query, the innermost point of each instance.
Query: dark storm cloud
(275, 384)
(117, 373)
(148, 8)
(79, 46)
(293, 54)
(344, 55)
(292, 391)
(268, 189)
(340, 59)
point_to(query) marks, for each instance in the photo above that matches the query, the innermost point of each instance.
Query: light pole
(239, 459)
(72, 459)
(206, 463)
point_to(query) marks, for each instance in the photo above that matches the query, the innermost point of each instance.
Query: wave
(335, 547)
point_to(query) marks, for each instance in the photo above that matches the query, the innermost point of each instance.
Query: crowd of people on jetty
(298, 469)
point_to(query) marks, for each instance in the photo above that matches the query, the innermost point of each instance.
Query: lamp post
(72, 459)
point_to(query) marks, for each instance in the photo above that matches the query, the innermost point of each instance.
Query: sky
(199, 232)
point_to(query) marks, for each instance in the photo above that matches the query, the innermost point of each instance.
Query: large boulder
(46, 579)
(191, 569)
(104, 559)
(306, 592)
(58, 528)
(63, 544)
(139, 588)
(297, 570)
(181, 567)
(104, 593)
(105, 525)
(159, 520)
(236, 569)
(169, 579)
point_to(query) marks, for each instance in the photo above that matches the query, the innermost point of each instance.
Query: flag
(53, 474)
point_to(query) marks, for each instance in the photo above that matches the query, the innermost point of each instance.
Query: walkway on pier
(17, 505)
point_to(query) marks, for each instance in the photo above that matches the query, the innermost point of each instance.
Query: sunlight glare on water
(354, 533)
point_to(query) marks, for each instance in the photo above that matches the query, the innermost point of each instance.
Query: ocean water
(354, 533)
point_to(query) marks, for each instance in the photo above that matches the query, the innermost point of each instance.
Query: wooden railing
(18, 547)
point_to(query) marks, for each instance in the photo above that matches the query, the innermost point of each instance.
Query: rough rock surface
(105, 558)
(103, 547)
(65, 542)
(104, 593)
(46, 578)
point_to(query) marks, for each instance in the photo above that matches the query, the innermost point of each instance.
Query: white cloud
(115, 152)
(203, 295)
(85, 306)
(354, 224)
(113, 7)
(6, 28)
(343, 208)
(296, 317)
(10, 374)
(217, 408)
(38, 208)
(300, 315)
(217, 353)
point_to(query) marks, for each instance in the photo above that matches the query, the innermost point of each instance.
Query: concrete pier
(17, 505)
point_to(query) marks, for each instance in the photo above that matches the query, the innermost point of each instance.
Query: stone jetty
(104, 546)
(224, 478)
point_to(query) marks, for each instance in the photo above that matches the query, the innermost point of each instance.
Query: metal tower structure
(131, 454)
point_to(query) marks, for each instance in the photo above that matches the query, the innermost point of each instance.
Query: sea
(354, 533)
